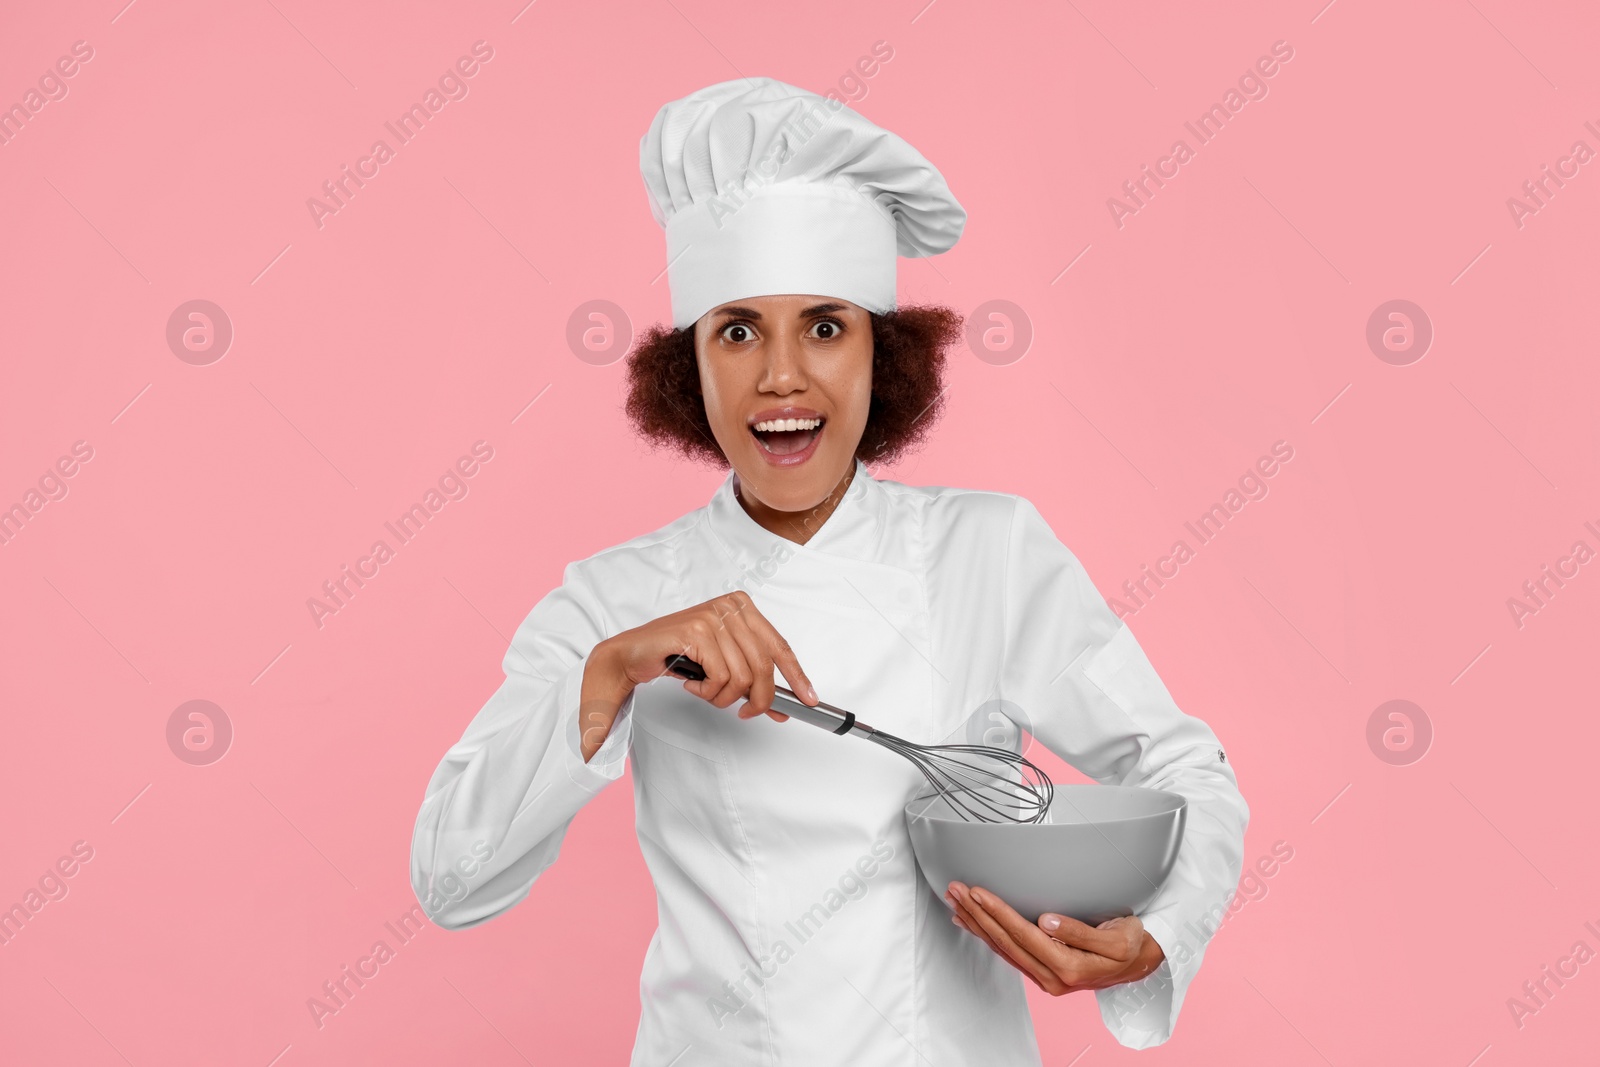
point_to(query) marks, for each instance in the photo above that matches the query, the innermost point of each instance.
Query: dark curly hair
(908, 364)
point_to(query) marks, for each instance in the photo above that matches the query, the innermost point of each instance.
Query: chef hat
(764, 189)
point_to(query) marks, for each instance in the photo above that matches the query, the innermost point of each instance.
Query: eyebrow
(815, 311)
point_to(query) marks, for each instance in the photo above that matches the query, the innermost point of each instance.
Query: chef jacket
(794, 926)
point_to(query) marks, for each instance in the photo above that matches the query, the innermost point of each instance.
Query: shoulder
(656, 555)
(951, 510)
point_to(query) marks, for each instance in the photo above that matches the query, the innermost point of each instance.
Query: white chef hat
(764, 188)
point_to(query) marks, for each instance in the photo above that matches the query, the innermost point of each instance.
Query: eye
(827, 329)
(737, 333)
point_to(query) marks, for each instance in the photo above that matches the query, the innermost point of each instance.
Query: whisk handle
(823, 716)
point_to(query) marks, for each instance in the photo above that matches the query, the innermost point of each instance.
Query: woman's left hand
(1061, 955)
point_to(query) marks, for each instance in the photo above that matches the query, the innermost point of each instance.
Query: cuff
(607, 764)
(1142, 1014)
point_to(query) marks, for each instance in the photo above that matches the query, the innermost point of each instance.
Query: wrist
(601, 698)
(1151, 956)
(604, 678)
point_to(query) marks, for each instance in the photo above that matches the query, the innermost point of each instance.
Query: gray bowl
(1104, 853)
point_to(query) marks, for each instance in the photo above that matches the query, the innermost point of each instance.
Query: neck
(796, 526)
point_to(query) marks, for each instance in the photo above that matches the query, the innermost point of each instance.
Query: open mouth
(787, 437)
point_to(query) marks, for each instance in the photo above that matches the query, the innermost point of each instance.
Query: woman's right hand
(727, 635)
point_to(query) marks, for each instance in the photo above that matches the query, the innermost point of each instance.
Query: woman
(794, 926)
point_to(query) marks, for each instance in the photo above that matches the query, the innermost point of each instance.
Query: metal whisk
(980, 783)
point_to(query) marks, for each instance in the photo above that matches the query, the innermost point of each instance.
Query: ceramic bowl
(1105, 851)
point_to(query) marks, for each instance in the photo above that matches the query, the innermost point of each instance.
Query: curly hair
(908, 364)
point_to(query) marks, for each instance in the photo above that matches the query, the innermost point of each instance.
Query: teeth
(778, 425)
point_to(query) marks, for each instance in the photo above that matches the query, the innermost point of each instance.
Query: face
(787, 383)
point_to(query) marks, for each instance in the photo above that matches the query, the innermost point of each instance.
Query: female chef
(793, 924)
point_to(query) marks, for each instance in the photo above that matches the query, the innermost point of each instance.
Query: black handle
(684, 667)
(826, 716)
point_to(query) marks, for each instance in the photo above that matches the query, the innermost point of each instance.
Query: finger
(704, 647)
(737, 683)
(1116, 940)
(980, 904)
(964, 918)
(1046, 945)
(782, 655)
(762, 688)
(985, 927)
(701, 646)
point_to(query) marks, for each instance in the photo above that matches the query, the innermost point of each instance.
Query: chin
(793, 489)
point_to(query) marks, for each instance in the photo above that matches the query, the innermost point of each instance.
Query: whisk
(980, 783)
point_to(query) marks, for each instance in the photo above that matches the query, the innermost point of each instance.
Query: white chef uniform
(794, 926)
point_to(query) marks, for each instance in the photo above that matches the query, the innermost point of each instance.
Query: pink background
(1229, 313)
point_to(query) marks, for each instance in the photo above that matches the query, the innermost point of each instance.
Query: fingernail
(949, 898)
(1049, 923)
(811, 690)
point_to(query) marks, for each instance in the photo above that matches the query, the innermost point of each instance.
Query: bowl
(1105, 851)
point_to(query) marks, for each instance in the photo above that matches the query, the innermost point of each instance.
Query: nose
(784, 372)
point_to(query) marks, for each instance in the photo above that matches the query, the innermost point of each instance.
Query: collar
(854, 530)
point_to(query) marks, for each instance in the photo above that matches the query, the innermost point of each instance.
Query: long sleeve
(1093, 698)
(500, 802)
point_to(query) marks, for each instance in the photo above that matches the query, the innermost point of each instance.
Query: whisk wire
(980, 783)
